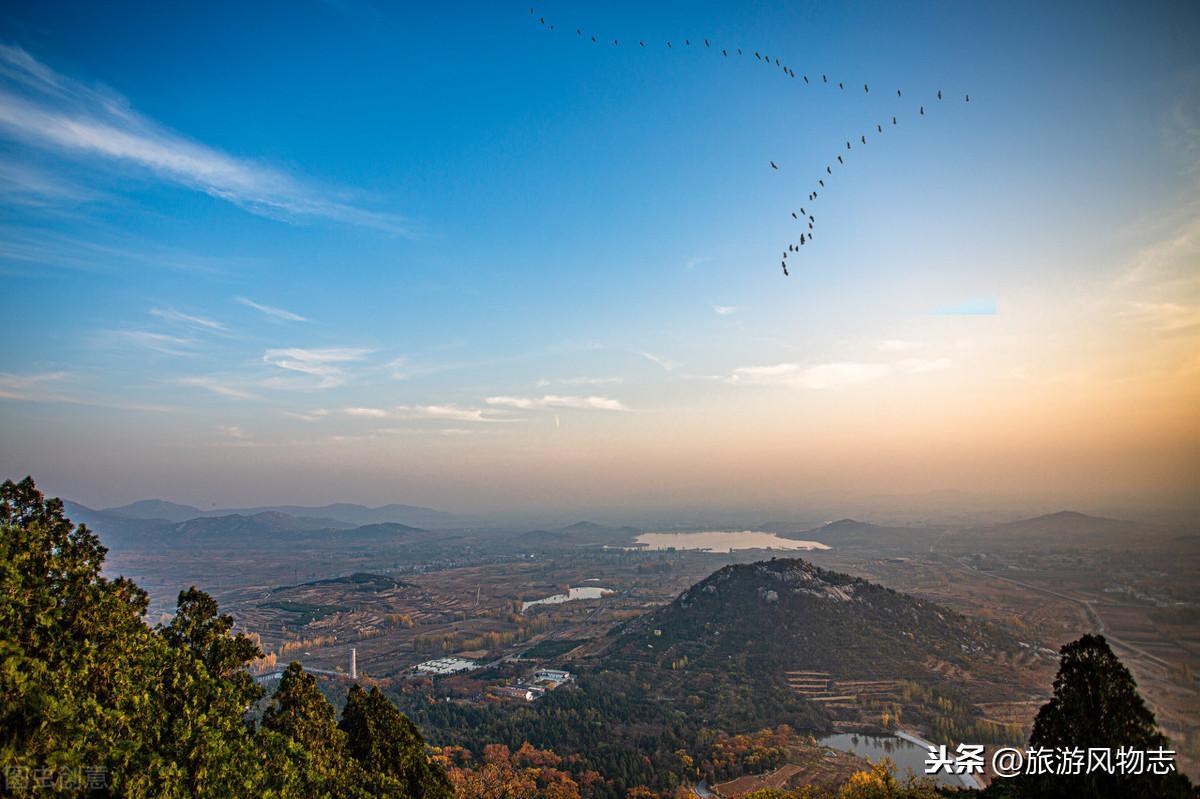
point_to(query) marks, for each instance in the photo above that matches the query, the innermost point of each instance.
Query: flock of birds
(803, 217)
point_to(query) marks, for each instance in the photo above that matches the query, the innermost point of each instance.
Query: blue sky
(343, 250)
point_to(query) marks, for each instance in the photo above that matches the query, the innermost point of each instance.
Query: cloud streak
(590, 403)
(44, 109)
(172, 315)
(221, 389)
(326, 365)
(271, 310)
(831, 375)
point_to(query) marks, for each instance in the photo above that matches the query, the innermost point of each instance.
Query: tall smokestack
(353, 663)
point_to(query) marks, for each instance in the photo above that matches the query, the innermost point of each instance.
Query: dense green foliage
(626, 725)
(89, 693)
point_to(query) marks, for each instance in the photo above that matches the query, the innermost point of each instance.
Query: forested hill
(787, 614)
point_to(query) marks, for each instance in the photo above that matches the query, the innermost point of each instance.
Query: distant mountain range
(581, 534)
(337, 514)
(1052, 530)
(258, 527)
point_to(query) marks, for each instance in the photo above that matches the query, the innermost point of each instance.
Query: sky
(444, 255)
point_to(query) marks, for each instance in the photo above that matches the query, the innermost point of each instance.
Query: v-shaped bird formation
(803, 218)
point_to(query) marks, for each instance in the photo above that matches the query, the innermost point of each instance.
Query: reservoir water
(588, 592)
(723, 541)
(908, 755)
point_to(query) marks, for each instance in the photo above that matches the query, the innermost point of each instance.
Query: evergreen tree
(77, 663)
(390, 748)
(312, 758)
(1095, 704)
(85, 683)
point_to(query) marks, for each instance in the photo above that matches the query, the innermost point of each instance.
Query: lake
(588, 592)
(906, 754)
(722, 541)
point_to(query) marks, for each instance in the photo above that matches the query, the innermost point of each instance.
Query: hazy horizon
(460, 261)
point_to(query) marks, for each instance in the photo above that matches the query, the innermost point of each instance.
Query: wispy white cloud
(311, 416)
(415, 430)
(172, 315)
(49, 387)
(590, 403)
(375, 413)
(820, 376)
(665, 363)
(326, 365)
(163, 343)
(45, 109)
(14, 386)
(219, 387)
(450, 412)
(23, 184)
(270, 310)
(832, 375)
(579, 381)
(726, 310)
(1166, 317)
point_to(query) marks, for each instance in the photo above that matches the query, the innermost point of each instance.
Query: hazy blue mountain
(269, 522)
(851, 533)
(357, 515)
(156, 509)
(579, 534)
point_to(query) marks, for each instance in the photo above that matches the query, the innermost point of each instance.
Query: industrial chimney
(353, 663)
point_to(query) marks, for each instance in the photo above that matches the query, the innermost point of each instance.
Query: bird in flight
(778, 62)
(784, 265)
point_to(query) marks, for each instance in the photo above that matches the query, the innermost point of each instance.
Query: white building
(551, 675)
(443, 666)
